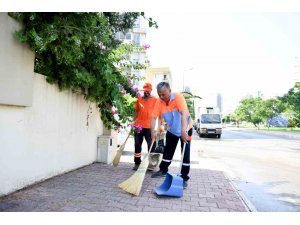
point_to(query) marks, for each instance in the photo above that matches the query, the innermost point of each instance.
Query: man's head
(164, 91)
(147, 89)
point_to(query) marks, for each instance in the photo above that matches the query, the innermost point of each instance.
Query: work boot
(158, 174)
(185, 184)
(136, 166)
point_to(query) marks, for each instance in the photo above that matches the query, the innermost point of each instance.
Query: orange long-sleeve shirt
(144, 111)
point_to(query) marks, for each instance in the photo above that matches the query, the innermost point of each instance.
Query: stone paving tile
(94, 188)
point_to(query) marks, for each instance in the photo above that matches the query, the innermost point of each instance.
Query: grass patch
(287, 129)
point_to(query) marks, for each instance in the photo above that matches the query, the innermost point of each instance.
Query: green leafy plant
(80, 52)
(189, 97)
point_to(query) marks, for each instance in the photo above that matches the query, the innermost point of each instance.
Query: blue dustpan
(173, 183)
(172, 186)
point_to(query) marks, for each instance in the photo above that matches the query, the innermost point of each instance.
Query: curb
(286, 134)
(242, 196)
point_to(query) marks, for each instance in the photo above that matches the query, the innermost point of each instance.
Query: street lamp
(183, 76)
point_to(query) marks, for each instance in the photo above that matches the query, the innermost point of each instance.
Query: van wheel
(218, 135)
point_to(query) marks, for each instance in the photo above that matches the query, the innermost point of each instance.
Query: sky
(234, 54)
(234, 48)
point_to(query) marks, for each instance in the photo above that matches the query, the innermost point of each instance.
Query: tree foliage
(80, 52)
(250, 110)
(270, 108)
(189, 97)
(228, 118)
(256, 110)
(291, 101)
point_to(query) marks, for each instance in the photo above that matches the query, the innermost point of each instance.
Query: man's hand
(184, 136)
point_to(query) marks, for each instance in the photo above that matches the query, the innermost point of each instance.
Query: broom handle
(149, 150)
(127, 136)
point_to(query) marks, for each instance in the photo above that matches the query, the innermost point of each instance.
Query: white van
(209, 124)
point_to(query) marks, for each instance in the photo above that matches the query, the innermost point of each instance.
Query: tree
(80, 52)
(227, 118)
(292, 102)
(249, 110)
(190, 102)
(270, 108)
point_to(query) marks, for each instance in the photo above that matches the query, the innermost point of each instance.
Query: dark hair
(163, 85)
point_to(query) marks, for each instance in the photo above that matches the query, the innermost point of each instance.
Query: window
(210, 118)
(137, 23)
(136, 39)
(120, 36)
(128, 36)
(158, 78)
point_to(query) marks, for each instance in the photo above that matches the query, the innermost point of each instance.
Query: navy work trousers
(138, 141)
(171, 144)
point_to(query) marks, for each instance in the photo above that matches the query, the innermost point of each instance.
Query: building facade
(159, 74)
(137, 35)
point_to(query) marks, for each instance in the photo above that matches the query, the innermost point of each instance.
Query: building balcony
(139, 30)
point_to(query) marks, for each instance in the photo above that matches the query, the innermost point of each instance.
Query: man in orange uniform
(173, 109)
(144, 106)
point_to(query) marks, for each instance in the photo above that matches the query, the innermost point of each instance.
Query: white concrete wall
(16, 65)
(47, 139)
(55, 134)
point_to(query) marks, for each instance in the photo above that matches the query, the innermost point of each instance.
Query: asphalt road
(263, 166)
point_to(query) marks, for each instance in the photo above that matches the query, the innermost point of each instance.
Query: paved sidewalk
(94, 188)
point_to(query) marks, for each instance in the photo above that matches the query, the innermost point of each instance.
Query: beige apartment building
(158, 74)
(138, 36)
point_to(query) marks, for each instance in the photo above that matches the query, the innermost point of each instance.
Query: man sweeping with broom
(144, 106)
(173, 109)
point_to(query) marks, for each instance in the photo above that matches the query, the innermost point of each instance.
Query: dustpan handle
(182, 156)
(183, 150)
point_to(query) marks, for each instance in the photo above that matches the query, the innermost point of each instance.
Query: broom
(134, 183)
(120, 151)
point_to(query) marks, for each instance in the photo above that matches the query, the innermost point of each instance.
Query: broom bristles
(134, 183)
(120, 151)
(118, 155)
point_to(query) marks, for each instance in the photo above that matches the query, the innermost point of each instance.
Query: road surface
(264, 167)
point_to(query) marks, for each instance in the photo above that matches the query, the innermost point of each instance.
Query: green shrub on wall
(79, 52)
